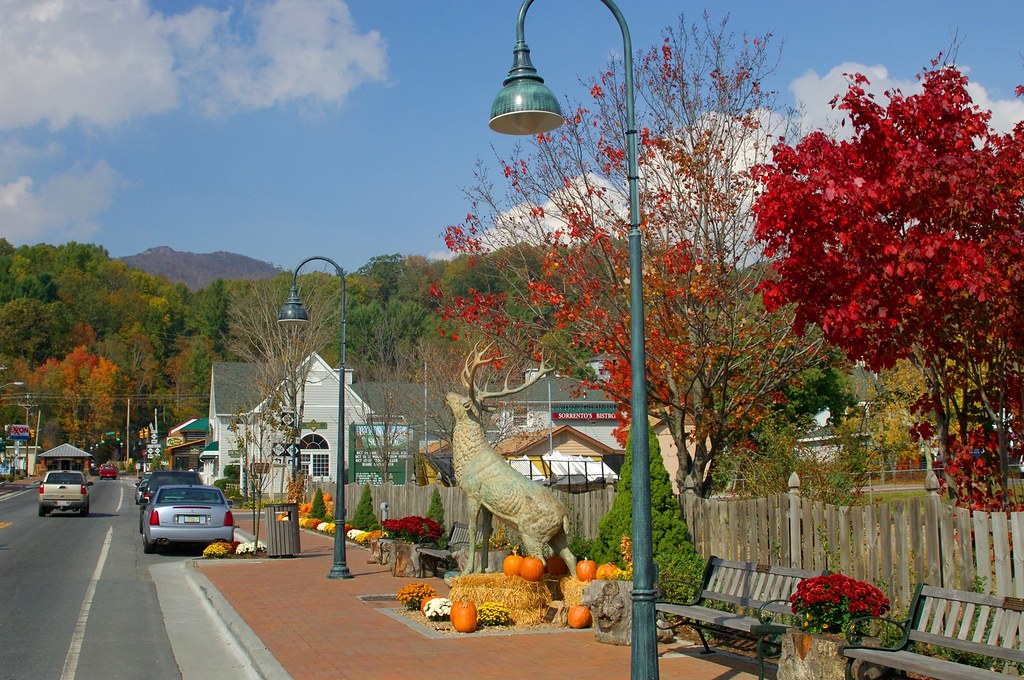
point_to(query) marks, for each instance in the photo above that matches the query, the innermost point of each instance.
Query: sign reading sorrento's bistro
(583, 412)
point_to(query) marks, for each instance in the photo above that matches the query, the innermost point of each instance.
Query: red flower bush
(827, 604)
(413, 529)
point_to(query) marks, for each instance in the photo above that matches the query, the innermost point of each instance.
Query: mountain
(197, 270)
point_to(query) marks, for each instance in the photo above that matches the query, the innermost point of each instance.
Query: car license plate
(192, 519)
(63, 504)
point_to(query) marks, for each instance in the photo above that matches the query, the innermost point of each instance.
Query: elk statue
(493, 488)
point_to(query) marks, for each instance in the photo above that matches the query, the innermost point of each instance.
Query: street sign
(293, 450)
(277, 449)
(287, 418)
(19, 432)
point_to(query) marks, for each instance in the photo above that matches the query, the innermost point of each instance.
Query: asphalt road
(79, 600)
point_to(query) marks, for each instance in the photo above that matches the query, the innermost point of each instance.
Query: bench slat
(923, 665)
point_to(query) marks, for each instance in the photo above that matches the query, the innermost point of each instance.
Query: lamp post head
(525, 106)
(293, 312)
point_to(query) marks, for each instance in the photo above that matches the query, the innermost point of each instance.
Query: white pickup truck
(64, 490)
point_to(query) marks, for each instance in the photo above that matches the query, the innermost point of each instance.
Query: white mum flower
(352, 533)
(438, 609)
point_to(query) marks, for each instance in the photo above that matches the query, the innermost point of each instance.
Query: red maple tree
(906, 240)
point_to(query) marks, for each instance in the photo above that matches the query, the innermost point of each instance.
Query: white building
(244, 432)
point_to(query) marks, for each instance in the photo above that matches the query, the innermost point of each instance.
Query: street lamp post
(295, 312)
(525, 106)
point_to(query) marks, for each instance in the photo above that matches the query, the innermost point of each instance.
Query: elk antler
(543, 369)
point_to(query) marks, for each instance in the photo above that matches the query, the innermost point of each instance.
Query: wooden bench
(458, 537)
(956, 620)
(744, 597)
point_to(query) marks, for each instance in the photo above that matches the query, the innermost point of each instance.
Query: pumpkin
(606, 571)
(423, 603)
(463, 616)
(532, 568)
(512, 565)
(579, 616)
(586, 569)
(557, 566)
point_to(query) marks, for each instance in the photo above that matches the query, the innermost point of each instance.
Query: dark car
(165, 478)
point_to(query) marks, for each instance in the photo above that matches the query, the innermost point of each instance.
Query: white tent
(563, 465)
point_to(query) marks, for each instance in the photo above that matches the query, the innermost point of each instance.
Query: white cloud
(102, 63)
(99, 63)
(63, 208)
(813, 94)
(308, 51)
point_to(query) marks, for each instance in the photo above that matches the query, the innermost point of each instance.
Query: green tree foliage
(319, 509)
(364, 517)
(436, 509)
(673, 551)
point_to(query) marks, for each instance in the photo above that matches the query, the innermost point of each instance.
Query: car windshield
(64, 478)
(189, 496)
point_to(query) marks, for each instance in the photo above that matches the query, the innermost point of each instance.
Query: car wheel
(84, 512)
(147, 547)
(42, 511)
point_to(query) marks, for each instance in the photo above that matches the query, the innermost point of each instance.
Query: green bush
(319, 509)
(436, 509)
(672, 549)
(221, 484)
(364, 517)
(232, 473)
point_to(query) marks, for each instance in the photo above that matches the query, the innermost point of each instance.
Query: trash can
(282, 529)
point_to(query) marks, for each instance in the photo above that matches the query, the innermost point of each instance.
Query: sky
(283, 129)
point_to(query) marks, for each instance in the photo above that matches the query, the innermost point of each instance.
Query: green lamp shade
(293, 311)
(525, 107)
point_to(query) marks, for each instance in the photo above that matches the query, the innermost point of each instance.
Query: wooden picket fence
(585, 509)
(894, 545)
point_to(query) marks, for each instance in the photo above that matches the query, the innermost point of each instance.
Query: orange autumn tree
(88, 386)
(550, 254)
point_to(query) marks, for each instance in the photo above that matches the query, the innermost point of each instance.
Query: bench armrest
(855, 634)
(764, 615)
(696, 599)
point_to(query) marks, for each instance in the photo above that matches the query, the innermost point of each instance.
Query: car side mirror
(231, 503)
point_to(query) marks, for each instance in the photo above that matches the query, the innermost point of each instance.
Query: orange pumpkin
(512, 565)
(586, 569)
(579, 616)
(557, 566)
(532, 568)
(606, 571)
(463, 616)
(423, 603)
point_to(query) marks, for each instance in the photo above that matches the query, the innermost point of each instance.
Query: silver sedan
(187, 514)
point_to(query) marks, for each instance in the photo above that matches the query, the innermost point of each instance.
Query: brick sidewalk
(319, 628)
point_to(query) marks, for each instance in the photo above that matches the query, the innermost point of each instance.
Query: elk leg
(474, 516)
(485, 530)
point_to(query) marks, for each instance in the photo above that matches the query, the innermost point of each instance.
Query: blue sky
(281, 129)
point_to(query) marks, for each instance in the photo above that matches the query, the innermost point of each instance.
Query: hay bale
(572, 590)
(526, 600)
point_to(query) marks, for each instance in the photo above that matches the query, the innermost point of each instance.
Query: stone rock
(404, 561)
(611, 605)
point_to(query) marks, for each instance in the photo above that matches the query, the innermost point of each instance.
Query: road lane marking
(71, 660)
(120, 497)
(4, 525)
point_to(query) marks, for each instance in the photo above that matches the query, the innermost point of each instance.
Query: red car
(108, 471)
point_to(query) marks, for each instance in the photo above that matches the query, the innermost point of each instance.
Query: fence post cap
(931, 482)
(794, 482)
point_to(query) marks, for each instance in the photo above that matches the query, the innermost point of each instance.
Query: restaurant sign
(583, 412)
